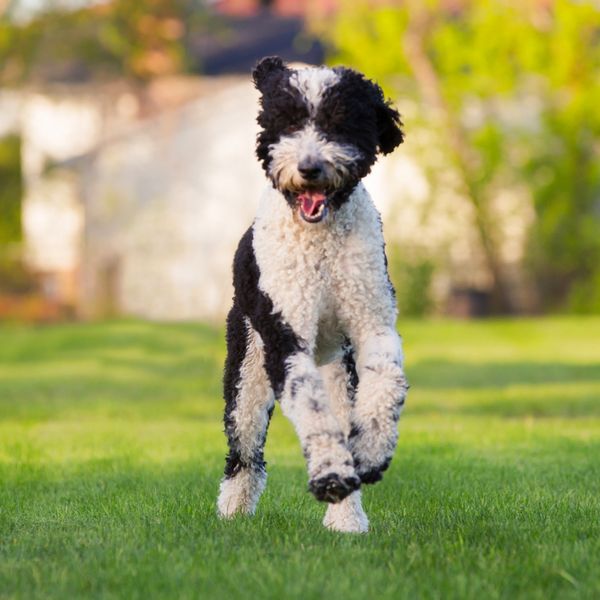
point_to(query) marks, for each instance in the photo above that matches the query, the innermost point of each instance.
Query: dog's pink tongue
(311, 201)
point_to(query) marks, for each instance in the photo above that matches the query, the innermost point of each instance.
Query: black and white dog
(314, 312)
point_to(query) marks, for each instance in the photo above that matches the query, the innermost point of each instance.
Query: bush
(15, 278)
(412, 277)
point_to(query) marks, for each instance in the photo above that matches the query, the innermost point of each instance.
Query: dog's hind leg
(341, 381)
(249, 405)
(380, 397)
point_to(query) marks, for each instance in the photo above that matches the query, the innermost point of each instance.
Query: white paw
(240, 494)
(347, 516)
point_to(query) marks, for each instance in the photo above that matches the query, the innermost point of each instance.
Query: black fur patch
(333, 488)
(265, 69)
(375, 475)
(236, 351)
(355, 430)
(350, 365)
(279, 340)
(347, 115)
(296, 384)
(283, 110)
(354, 112)
(315, 406)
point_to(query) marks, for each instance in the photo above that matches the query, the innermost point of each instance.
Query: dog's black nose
(310, 170)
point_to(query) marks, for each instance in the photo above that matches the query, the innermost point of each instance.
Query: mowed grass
(111, 450)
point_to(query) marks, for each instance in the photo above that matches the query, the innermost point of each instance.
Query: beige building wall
(165, 206)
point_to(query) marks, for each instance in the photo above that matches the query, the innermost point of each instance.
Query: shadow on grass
(145, 397)
(136, 368)
(145, 370)
(34, 344)
(515, 389)
(447, 374)
(190, 387)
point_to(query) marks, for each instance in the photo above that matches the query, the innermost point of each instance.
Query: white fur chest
(319, 276)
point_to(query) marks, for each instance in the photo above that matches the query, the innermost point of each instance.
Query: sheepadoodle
(314, 312)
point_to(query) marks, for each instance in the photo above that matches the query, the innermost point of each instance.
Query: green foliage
(112, 447)
(138, 40)
(11, 191)
(14, 276)
(564, 170)
(412, 277)
(511, 91)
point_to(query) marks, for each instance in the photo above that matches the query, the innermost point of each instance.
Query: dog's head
(321, 131)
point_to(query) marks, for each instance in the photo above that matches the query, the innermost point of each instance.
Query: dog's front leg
(381, 392)
(331, 471)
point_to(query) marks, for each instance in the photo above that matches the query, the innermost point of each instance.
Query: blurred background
(127, 128)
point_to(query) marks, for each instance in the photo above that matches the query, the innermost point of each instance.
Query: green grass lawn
(111, 450)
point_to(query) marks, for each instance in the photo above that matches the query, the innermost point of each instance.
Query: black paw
(333, 488)
(374, 474)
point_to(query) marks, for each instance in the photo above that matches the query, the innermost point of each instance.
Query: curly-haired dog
(314, 312)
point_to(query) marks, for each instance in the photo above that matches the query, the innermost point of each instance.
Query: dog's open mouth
(312, 205)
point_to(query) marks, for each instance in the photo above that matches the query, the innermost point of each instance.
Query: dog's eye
(291, 129)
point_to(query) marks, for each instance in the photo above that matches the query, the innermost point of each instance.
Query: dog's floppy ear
(266, 69)
(389, 125)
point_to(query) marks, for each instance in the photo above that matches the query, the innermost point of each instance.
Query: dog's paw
(372, 452)
(347, 516)
(240, 494)
(372, 474)
(333, 487)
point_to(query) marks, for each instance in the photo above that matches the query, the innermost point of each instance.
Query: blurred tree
(11, 190)
(490, 58)
(13, 275)
(563, 165)
(138, 40)
(411, 274)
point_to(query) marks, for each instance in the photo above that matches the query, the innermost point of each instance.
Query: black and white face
(321, 131)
